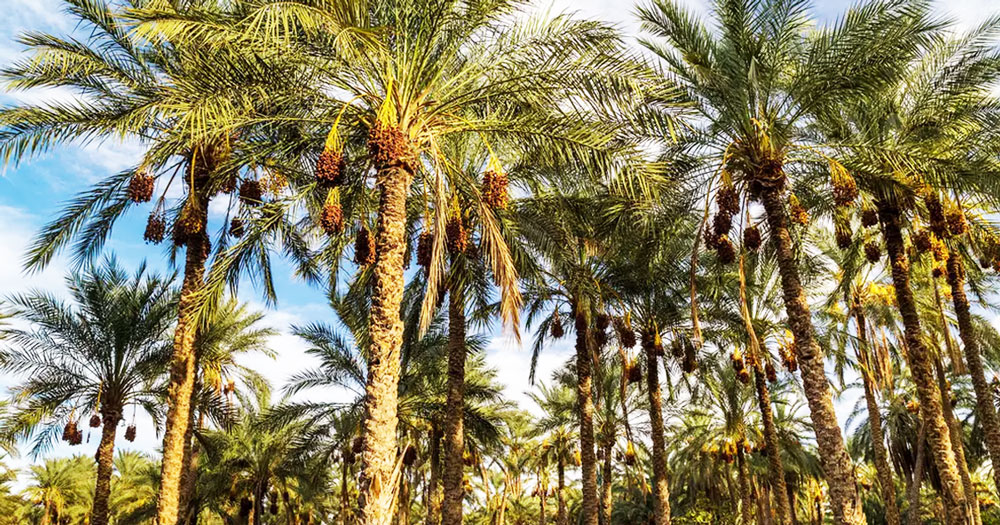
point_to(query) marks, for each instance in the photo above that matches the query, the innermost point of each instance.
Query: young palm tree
(61, 488)
(103, 352)
(757, 82)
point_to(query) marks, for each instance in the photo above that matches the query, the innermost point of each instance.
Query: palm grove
(732, 222)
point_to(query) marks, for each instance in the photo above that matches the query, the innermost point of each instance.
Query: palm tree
(756, 83)
(561, 231)
(404, 93)
(912, 157)
(231, 331)
(189, 102)
(103, 351)
(61, 488)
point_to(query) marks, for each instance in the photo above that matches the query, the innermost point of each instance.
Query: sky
(33, 193)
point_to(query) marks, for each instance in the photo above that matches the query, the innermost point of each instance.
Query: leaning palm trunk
(183, 367)
(345, 505)
(189, 475)
(836, 463)
(985, 409)
(386, 333)
(454, 433)
(875, 425)
(777, 469)
(918, 359)
(105, 464)
(661, 488)
(585, 407)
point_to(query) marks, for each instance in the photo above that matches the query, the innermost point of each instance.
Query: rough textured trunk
(746, 505)
(105, 465)
(661, 487)
(345, 502)
(386, 333)
(403, 508)
(454, 432)
(777, 470)
(875, 425)
(258, 504)
(792, 506)
(835, 462)
(913, 514)
(985, 409)
(956, 441)
(434, 485)
(607, 502)
(919, 361)
(585, 408)
(541, 506)
(561, 516)
(182, 371)
(189, 476)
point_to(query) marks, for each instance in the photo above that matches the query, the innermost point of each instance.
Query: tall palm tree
(909, 158)
(102, 351)
(757, 82)
(561, 230)
(404, 92)
(192, 104)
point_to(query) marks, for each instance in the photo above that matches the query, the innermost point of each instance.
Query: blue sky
(33, 193)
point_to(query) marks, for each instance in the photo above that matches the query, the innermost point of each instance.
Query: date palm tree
(102, 351)
(59, 489)
(404, 92)
(190, 104)
(937, 142)
(757, 81)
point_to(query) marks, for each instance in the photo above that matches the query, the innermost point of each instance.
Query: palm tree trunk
(434, 485)
(746, 505)
(386, 333)
(258, 504)
(913, 514)
(454, 432)
(541, 505)
(345, 505)
(661, 488)
(606, 483)
(105, 465)
(403, 507)
(836, 463)
(875, 425)
(918, 359)
(189, 476)
(585, 407)
(956, 440)
(183, 370)
(561, 517)
(773, 448)
(792, 506)
(985, 409)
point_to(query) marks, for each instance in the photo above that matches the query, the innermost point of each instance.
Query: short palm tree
(59, 490)
(757, 82)
(100, 352)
